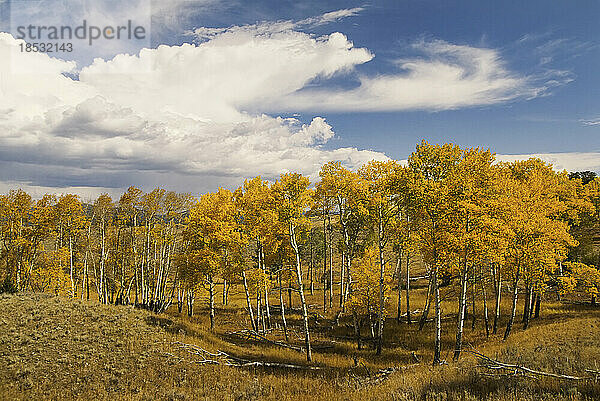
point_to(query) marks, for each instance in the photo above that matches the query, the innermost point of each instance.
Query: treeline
(108, 248)
(485, 229)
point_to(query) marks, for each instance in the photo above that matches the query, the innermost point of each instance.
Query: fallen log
(223, 358)
(518, 370)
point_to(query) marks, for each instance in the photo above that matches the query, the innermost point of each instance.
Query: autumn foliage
(485, 228)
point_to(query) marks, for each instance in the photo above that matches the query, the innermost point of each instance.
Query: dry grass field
(55, 348)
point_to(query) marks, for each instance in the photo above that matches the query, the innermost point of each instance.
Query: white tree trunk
(301, 291)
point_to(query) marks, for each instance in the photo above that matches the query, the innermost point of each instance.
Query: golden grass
(54, 348)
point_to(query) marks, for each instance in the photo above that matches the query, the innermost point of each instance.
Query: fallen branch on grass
(223, 358)
(510, 369)
(595, 373)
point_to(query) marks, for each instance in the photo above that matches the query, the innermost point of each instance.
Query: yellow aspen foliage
(538, 237)
(258, 280)
(592, 194)
(364, 298)
(14, 211)
(49, 273)
(580, 277)
(212, 235)
(292, 198)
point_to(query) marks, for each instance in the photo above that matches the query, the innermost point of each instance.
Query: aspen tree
(292, 199)
(581, 277)
(212, 233)
(14, 209)
(348, 191)
(364, 300)
(255, 208)
(403, 231)
(382, 210)
(432, 166)
(130, 206)
(471, 185)
(70, 221)
(538, 238)
(41, 224)
(152, 204)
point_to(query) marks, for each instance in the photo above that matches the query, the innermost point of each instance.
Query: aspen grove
(481, 229)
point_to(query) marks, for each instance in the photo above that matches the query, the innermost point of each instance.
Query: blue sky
(224, 90)
(524, 32)
(560, 35)
(545, 124)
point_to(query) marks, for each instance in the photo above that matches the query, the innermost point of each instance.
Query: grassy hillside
(54, 348)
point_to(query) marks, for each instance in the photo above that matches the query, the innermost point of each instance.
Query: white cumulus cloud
(192, 117)
(447, 76)
(179, 124)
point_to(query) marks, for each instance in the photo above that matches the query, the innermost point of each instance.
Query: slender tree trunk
(211, 294)
(84, 276)
(342, 269)
(324, 261)
(473, 303)
(324, 290)
(266, 290)
(485, 308)
(348, 259)
(18, 274)
(380, 316)
(357, 329)
(101, 292)
(224, 294)
(81, 296)
(126, 297)
(560, 273)
(248, 302)
(399, 273)
(301, 292)
(513, 310)
(526, 304)
(311, 265)
(145, 261)
(73, 294)
(190, 303)
(260, 317)
(437, 350)
(180, 296)
(330, 263)
(267, 308)
(372, 329)
(407, 288)
(282, 306)
(157, 285)
(530, 304)
(498, 289)
(348, 283)
(462, 303)
(427, 305)
(538, 301)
